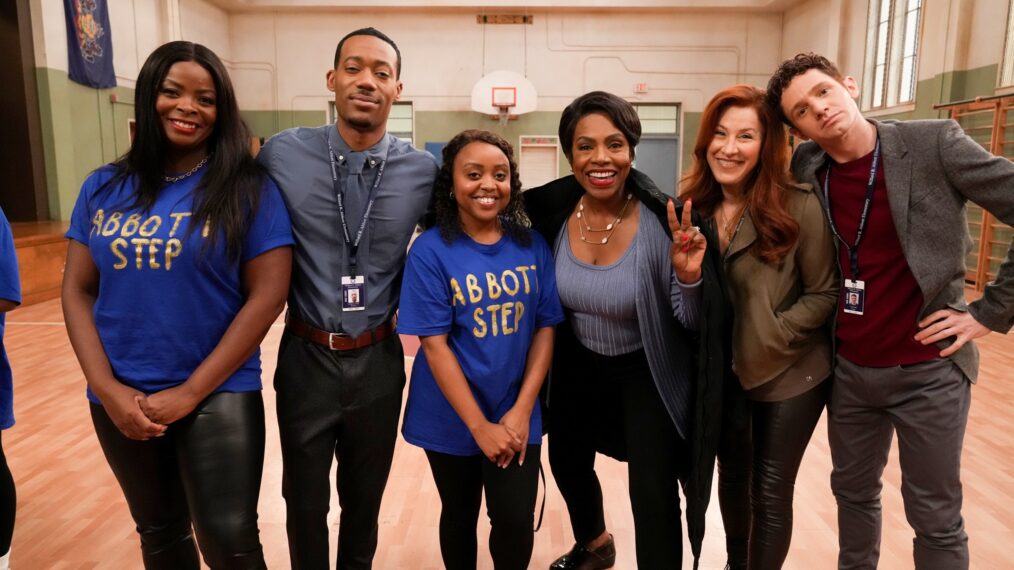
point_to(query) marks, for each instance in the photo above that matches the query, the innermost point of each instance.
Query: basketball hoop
(504, 99)
(503, 96)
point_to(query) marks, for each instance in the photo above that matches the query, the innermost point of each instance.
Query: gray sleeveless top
(599, 299)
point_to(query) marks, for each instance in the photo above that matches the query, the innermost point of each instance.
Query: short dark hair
(445, 208)
(377, 34)
(619, 111)
(789, 70)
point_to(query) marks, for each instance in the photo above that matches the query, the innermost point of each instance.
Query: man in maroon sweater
(894, 194)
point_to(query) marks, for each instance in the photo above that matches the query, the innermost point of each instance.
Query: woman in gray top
(624, 367)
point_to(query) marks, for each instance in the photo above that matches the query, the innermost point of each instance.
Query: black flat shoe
(580, 558)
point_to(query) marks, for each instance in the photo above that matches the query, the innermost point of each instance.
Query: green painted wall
(691, 124)
(949, 87)
(82, 128)
(441, 126)
(266, 123)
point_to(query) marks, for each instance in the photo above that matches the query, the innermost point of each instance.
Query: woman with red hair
(781, 280)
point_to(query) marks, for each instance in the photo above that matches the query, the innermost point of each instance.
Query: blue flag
(89, 45)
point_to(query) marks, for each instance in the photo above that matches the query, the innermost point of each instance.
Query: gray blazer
(932, 168)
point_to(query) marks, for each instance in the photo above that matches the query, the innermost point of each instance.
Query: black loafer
(580, 558)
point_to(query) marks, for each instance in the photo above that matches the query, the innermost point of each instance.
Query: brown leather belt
(337, 341)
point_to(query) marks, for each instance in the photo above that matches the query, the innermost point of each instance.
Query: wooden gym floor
(71, 513)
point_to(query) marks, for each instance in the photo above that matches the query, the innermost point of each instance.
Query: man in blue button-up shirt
(355, 194)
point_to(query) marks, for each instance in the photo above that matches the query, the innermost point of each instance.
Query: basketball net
(504, 115)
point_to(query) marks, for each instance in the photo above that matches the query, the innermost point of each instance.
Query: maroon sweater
(883, 335)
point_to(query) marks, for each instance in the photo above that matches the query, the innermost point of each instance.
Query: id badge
(353, 293)
(855, 296)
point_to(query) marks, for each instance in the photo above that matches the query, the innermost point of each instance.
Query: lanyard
(870, 187)
(339, 196)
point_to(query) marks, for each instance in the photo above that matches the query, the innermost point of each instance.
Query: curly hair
(777, 230)
(789, 70)
(445, 208)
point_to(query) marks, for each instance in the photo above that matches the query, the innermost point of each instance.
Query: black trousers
(767, 457)
(206, 472)
(340, 405)
(8, 503)
(510, 504)
(611, 404)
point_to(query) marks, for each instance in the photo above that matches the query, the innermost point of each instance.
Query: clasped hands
(501, 441)
(141, 417)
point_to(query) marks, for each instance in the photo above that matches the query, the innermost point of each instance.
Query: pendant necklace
(729, 225)
(583, 225)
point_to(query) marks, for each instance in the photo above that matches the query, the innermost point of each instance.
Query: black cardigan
(548, 207)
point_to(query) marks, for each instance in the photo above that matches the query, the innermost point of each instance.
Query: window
(1007, 63)
(657, 155)
(892, 53)
(399, 123)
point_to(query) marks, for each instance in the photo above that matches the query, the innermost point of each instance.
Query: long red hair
(767, 186)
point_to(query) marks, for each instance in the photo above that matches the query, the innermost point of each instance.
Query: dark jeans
(927, 404)
(601, 402)
(510, 504)
(8, 503)
(340, 405)
(771, 452)
(205, 471)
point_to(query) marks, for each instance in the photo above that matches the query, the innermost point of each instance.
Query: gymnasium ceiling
(512, 5)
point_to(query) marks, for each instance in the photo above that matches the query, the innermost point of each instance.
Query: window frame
(891, 67)
(1007, 55)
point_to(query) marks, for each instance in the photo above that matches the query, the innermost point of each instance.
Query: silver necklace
(171, 179)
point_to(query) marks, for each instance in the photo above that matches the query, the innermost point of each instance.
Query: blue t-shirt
(10, 289)
(489, 300)
(165, 299)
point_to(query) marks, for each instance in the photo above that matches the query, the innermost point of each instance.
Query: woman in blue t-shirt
(178, 263)
(480, 293)
(10, 298)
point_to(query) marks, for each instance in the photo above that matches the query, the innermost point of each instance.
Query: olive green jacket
(782, 311)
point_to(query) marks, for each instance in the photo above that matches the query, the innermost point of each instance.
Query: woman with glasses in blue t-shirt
(178, 263)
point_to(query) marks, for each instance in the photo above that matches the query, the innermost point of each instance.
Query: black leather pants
(778, 437)
(734, 457)
(8, 504)
(206, 472)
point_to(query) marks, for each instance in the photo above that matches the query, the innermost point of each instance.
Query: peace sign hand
(688, 244)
